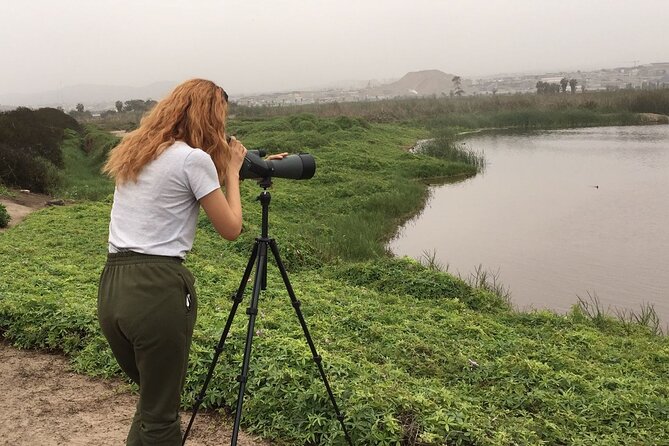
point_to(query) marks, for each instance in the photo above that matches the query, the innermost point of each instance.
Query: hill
(418, 83)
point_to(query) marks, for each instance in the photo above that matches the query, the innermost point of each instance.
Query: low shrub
(23, 167)
(4, 216)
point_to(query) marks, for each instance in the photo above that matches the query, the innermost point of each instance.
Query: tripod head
(265, 182)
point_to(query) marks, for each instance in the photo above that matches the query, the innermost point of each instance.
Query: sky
(252, 46)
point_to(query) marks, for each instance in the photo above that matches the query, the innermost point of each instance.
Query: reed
(487, 111)
(488, 280)
(646, 316)
(448, 149)
(429, 260)
(592, 308)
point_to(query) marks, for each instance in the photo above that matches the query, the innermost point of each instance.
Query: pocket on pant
(189, 295)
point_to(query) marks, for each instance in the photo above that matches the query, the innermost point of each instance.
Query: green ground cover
(83, 157)
(414, 355)
(6, 192)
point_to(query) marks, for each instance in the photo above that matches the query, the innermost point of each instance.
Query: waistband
(131, 257)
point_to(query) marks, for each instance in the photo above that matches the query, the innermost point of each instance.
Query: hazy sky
(255, 46)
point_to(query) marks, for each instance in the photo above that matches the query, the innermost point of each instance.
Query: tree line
(553, 88)
(132, 105)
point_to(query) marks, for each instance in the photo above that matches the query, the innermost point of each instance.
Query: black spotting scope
(301, 166)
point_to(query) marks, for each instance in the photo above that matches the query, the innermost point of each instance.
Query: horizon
(325, 85)
(253, 47)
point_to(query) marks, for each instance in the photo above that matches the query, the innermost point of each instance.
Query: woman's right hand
(237, 154)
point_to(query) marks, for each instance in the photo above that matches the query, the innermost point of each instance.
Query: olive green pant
(147, 308)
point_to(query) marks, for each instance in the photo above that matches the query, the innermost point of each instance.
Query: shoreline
(607, 310)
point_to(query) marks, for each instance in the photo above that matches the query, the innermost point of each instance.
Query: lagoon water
(558, 214)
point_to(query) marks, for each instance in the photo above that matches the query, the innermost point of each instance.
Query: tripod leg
(317, 358)
(252, 311)
(237, 299)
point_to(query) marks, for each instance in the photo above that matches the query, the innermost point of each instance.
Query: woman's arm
(225, 211)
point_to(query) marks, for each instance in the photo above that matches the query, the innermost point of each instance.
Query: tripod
(259, 254)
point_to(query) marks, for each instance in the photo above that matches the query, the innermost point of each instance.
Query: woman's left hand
(277, 156)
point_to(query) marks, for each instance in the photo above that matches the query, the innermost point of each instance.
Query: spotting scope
(301, 166)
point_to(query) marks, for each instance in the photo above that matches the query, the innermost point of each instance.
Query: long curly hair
(194, 113)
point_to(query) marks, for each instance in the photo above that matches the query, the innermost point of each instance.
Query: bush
(24, 168)
(30, 151)
(40, 130)
(4, 216)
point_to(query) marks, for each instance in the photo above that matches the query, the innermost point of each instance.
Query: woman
(174, 162)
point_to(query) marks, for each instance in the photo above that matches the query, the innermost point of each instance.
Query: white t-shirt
(158, 213)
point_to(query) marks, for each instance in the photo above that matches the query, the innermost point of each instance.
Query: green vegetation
(4, 216)
(125, 116)
(356, 171)
(47, 151)
(83, 158)
(6, 192)
(414, 355)
(519, 110)
(30, 153)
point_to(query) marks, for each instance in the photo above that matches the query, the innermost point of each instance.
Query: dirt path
(45, 403)
(21, 204)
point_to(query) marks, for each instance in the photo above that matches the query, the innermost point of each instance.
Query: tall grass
(488, 111)
(451, 150)
(488, 280)
(646, 316)
(517, 110)
(480, 279)
(429, 260)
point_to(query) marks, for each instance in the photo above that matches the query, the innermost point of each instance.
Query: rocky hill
(418, 83)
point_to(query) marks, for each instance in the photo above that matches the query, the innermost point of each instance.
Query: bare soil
(21, 204)
(45, 403)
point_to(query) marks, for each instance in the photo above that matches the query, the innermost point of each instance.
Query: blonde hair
(194, 113)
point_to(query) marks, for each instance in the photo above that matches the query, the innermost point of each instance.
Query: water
(559, 214)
